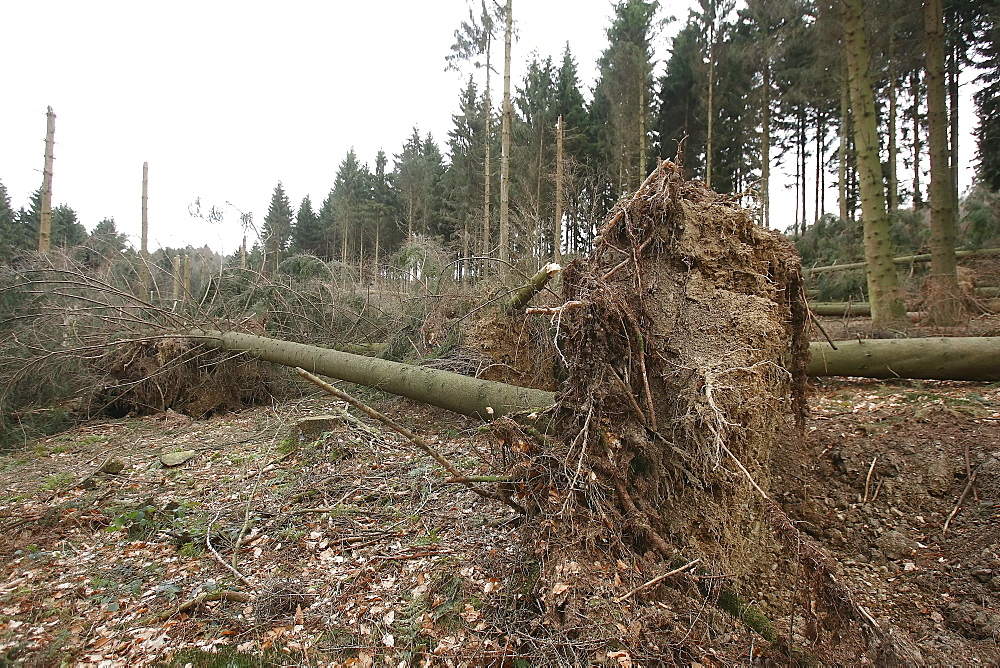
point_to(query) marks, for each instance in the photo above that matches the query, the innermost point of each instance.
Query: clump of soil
(686, 364)
(151, 376)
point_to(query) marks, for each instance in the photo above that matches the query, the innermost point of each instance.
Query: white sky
(224, 99)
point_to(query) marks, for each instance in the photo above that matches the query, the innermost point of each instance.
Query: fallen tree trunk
(841, 308)
(968, 358)
(903, 259)
(939, 358)
(455, 392)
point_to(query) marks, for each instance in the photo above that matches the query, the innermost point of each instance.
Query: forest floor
(355, 550)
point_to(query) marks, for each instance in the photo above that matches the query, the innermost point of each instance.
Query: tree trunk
(144, 249)
(711, 102)
(842, 150)
(505, 146)
(535, 284)
(642, 131)
(765, 145)
(945, 297)
(939, 358)
(557, 222)
(487, 162)
(845, 309)
(461, 394)
(45, 216)
(175, 269)
(902, 259)
(893, 185)
(918, 199)
(888, 311)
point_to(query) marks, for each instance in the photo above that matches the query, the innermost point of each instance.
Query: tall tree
(277, 228)
(350, 196)
(945, 303)
(679, 116)
(625, 71)
(307, 235)
(505, 141)
(473, 40)
(888, 310)
(464, 176)
(987, 100)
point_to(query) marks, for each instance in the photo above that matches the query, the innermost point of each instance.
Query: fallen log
(938, 358)
(844, 309)
(903, 259)
(455, 392)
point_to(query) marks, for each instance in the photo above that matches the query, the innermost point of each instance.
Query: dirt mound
(153, 375)
(685, 364)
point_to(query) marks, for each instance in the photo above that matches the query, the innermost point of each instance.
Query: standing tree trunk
(945, 297)
(893, 193)
(144, 251)
(918, 199)
(45, 218)
(487, 162)
(642, 131)
(765, 144)
(505, 145)
(842, 149)
(711, 102)
(557, 222)
(888, 311)
(175, 269)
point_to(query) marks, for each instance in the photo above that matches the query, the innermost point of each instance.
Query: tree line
(743, 89)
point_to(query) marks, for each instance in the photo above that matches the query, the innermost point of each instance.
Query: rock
(895, 545)
(995, 583)
(313, 427)
(940, 474)
(112, 467)
(170, 459)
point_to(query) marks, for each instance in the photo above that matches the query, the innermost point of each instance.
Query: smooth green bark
(888, 311)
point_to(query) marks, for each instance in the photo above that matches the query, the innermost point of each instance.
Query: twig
(208, 544)
(961, 500)
(868, 479)
(224, 595)
(658, 578)
(407, 434)
(819, 326)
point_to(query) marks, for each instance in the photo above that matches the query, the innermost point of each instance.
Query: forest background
(751, 86)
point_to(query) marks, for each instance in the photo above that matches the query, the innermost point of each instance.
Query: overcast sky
(224, 99)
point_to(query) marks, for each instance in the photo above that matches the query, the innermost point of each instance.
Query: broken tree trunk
(939, 358)
(536, 284)
(455, 392)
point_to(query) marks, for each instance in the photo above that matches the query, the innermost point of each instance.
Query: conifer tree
(307, 235)
(277, 228)
(623, 89)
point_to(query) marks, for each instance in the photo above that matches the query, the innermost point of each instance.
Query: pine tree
(277, 228)
(624, 85)
(13, 235)
(987, 101)
(307, 235)
(350, 196)
(679, 116)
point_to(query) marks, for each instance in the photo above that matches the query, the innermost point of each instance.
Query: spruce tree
(277, 228)
(307, 235)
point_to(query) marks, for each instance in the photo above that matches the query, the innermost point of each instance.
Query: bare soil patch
(358, 551)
